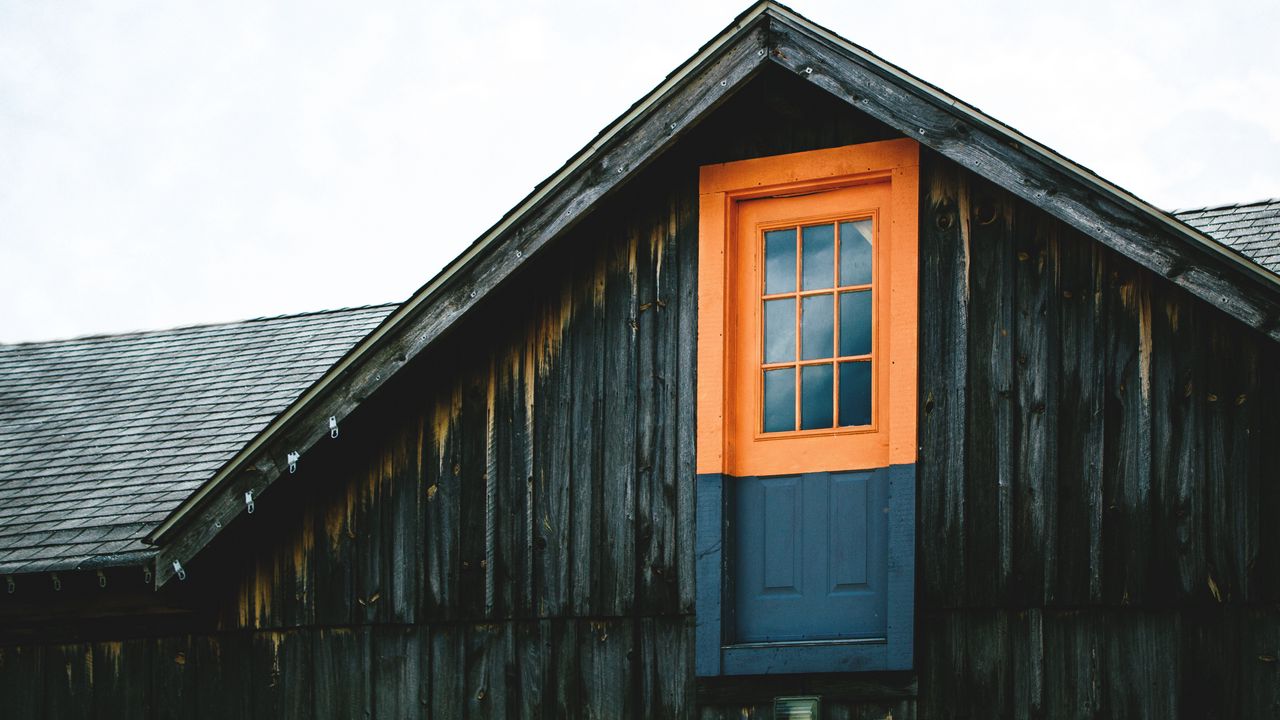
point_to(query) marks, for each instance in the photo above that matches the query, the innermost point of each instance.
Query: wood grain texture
(1126, 568)
(944, 261)
(643, 141)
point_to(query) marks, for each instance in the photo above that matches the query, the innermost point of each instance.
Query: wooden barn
(803, 390)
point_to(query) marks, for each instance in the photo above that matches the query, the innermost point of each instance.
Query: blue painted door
(810, 556)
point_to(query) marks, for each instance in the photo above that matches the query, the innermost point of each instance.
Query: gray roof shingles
(101, 437)
(1251, 229)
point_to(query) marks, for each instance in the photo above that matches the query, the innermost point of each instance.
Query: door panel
(810, 556)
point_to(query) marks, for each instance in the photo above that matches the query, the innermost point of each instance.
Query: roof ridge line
(199, 325)
(1225, 206)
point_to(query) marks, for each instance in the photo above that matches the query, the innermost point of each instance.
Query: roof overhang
(765, 33)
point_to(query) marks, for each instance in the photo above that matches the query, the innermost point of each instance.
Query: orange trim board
(738, 201)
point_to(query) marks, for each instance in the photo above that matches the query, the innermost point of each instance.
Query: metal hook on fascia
(10, 585)
(333, 426)
(57, 582)
(248, 501)
(146, 576)
(293, 462)
(177, 570)
(102, 579)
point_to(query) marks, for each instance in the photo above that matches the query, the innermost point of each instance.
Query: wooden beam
(635, 145)
(1086, 202)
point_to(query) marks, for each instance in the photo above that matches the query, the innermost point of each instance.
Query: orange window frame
(737, 202)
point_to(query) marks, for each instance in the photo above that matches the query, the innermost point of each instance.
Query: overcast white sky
(175, 162)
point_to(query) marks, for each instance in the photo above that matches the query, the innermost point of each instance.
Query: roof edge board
(681, 104)
(975, 115)
(739, 25)
(85, 563)
(1166, 246)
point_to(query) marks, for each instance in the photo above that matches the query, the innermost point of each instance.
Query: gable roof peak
(767, 32)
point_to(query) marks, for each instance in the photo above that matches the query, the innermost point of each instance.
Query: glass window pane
(855, 393)
(855, 323)
(780, 330)
(780, 400)
(780, 261)
(817, 321)
(815, 397)
(818, 261)
(855, 253)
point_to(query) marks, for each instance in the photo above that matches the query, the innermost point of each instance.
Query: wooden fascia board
(631, 143)
(1165, 245)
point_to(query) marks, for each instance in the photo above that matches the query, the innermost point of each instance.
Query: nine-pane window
(816, 354)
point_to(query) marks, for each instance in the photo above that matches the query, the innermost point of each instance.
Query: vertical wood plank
(1141, 662)
(943, 663)
(1082, 327)
(588, 433)
(1127, 439)
(653, 548)
(606, 650)
(399, 679)
(531, 643)
(442, 511)
(334, 558)
(21, 671)
(617, 568)
(67, 680)
(342, 674)
(516, 499)
(448, 671)
(1073, 673)
(564, 669)
(473, 484)
(665, 667)
(173, 678)
(1177, 464)
(294, 671)
(1027, 663)
(1266, 587)
(402, 520)
(988, 681)
(944, 257)
(685, 272)
(492, 688)
(223, 676)
(550, 363)
(121, 680)
(990, 414)
(1211, 682)
(1035, 486)
(370, 543)
(1228, 482)
(1258, 630)
(663, 565)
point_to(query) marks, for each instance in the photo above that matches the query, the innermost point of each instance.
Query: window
(806, 411)
(816, 338)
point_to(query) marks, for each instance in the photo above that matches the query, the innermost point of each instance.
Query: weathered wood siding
(506, 529)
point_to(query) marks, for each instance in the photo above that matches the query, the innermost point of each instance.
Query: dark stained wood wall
(506, 530)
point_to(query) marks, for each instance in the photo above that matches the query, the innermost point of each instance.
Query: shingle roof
(1252, 229)
(101, 437)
